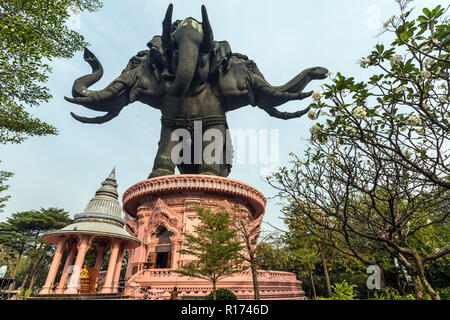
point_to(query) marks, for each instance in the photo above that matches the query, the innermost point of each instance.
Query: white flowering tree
(403, 109)
(378, 166)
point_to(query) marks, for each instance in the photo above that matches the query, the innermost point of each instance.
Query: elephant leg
(164, 164)
(214, 139)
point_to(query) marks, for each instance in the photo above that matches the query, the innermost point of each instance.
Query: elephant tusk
(167, 22)
(285, 115)
(101, 119)
(270, 91)
(208, 36)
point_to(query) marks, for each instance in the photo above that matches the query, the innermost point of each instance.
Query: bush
(23, 294)
(391, 294)
(222, 294)
(344, 291)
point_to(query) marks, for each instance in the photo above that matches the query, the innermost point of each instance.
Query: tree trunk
(325, 271)
(27, 275)
(429, 289)
(421, 274)
(32, 281)
(312, 285)
(418, 290)
(214, 290)
(24, 282)
(255, 279)
(14, 272)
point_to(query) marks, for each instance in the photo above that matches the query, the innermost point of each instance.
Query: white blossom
(317, 95)
(414, 120)
(401, 89)
(396, 59)
(389, 21)
(312, 115)
(435, 41)
(425, 74)
(429, 62)
(364, 62)
(315, 129)
(359, 113)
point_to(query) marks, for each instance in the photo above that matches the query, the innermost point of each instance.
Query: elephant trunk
(187, 64)
(108, 99)
(103, 100)
(81, 85)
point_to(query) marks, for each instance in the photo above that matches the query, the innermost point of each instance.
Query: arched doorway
(161, 257)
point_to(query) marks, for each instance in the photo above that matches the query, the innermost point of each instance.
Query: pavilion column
(65, 273)
(73, 286)
(108, 286)
(118, 269)
(100, 254)
(47, 288)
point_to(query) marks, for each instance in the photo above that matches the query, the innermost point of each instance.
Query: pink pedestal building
(159, 210)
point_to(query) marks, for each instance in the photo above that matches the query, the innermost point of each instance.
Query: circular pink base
(167, 203)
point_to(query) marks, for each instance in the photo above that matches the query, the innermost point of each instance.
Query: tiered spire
(105, 202)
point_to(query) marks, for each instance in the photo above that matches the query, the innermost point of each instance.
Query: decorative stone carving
(163, 202)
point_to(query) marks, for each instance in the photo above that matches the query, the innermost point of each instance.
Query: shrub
(391, 294)
(344, 291)
(222, 294)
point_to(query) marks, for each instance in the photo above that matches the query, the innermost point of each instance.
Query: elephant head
(137, 82)
(187, 46)
(176, 64)
(241, 83)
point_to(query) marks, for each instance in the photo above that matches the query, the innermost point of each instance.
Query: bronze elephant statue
(190, 78)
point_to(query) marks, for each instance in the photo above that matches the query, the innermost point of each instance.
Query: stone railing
(145, 285)
(148, 274)
(189, 183)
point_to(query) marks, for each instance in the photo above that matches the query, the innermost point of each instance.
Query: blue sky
(283, 37)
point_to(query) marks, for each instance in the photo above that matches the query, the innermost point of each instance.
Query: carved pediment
(162, 215)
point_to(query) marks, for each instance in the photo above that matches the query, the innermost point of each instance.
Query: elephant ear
(251, 94)
(134, 87)
(222, 53)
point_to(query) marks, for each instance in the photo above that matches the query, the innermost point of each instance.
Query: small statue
(84, 274)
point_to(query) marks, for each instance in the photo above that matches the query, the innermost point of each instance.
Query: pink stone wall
(166, 202)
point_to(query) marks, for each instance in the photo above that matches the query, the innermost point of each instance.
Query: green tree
(248, 231)
(22, 234)
(403, 110)
(214, 244)
(4, 175)
(377, 168)
(32, 33)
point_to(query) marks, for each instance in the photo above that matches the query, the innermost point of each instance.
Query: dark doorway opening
(162, 260)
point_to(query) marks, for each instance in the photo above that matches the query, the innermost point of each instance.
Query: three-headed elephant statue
(194, 81)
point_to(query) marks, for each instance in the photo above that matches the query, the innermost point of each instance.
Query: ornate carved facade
(158, 212)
